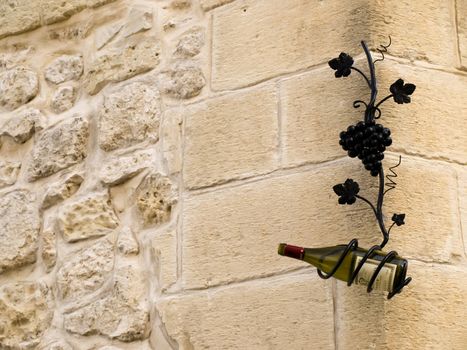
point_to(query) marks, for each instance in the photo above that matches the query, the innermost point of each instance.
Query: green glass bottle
(391, 275)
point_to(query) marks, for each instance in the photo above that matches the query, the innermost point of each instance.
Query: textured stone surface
(431, 102)
(105, 34)
(22, 126)
(172, 139)
(57, 10)
(129, 115)
(17, 86)
(49, 249)
(182, 80)
(139, 19)
(63, 99)
(75, 31)
(155, 197)
(230, 137)
(18, 16)
(64, 68)
(164, 250)
(210, 4)
(25, 313)
(432, 24)
(127, 243)
(122, 315)
(180, 4)
(19, 222)
(434, 321)
(86, 271)
(59, 147)
(120, 64)
(315, 107)
(232, 234)
(282, 38)
(62, 190)
(167, 146)
(418, 180)
(462, 30)
(8, 173)
(88, 216)
(190, 43)
(119, 170)
(462, 189)
(261, 309)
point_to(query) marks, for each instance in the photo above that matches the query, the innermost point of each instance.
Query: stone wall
(155, 152)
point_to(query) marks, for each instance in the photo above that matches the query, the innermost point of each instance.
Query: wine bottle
(391, 275)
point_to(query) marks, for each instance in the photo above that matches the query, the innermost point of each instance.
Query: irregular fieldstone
(119, 64)
(8, 173)
(127, 244)
(22, 126)
(57, 10)
(89, 216)
(180, 4)
(119, 170)
(190, 43)
(105, 34)
(49, 249)
(210, 4)
(60, 191)
(182, 81)
(59, 147)
(123, 315)
(19, 229)
(64, 68)
(63, 99)
(25, 313)
(15, 56)
(86, 271)
(155, 197)
(18, 16)
(129, 115)
(139, 19)
(18, 86)
(97, 3)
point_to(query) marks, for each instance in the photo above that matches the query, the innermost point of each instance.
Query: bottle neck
(291, 251)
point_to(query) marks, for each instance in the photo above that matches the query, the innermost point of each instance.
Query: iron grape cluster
(367, 141)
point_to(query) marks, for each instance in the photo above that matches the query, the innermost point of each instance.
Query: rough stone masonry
(154, 152)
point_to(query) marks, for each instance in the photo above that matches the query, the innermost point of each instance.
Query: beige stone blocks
(433, 124)
(230, 137)
(291, 312)
(426, 192)
(429, 314)
(258, 40)
(420, 30)
(315, 107)
(232, 234)
(462, 30)
(462, 180)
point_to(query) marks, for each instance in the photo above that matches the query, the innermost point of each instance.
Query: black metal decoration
(368, 140)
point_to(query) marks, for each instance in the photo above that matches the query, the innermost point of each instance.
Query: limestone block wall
(155, 152)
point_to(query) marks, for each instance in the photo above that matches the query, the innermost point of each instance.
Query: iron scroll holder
(371, 155)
